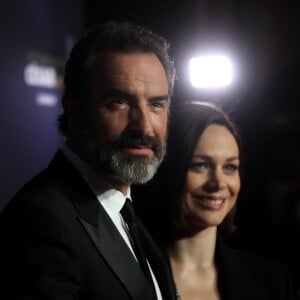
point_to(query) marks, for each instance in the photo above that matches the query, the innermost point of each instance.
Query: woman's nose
(216, 181)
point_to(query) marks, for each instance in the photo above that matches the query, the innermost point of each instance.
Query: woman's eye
(231, 168)
(199, 166)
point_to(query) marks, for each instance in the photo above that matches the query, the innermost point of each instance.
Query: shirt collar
(111, 198)
(113, 201)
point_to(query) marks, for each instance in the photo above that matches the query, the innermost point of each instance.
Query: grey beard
(132, 169)
(136, 170)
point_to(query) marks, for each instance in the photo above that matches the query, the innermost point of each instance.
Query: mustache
(128, 140)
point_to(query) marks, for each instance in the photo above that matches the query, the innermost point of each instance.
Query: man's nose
(140, 120)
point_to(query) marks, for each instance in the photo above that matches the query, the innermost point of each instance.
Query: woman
(190, 204)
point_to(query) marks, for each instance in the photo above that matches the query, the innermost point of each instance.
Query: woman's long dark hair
(158, 202)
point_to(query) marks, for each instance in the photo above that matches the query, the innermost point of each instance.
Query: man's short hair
(110, 37)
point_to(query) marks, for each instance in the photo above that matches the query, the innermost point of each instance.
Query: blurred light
(210, 71)
(46, 99)
(39, 75)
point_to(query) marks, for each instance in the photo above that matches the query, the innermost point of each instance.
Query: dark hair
(161, 195)
(110, 37)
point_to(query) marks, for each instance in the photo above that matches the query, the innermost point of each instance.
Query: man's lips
(138, 150)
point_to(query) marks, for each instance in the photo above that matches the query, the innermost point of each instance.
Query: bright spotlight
(210, 71)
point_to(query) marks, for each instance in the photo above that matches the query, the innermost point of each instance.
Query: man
(63, 236)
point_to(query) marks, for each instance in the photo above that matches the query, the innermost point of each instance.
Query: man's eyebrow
(161, 98)
(126, 94)
(117, 92)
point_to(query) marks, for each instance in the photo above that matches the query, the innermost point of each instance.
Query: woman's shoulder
(259, 273)
(252, 260)
(262, 263)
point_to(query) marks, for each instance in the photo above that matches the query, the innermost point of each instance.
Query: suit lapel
(101, 230)
(159, 266)
(116, 253)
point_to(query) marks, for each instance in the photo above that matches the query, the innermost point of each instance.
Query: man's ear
(71, 109)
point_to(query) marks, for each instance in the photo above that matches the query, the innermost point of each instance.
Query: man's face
(123, 128)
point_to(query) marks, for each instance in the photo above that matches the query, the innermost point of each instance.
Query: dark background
(261, 37)
(35, 36)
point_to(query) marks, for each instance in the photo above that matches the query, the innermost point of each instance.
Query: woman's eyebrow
(233, 158)
(207, 157)
(201, 156)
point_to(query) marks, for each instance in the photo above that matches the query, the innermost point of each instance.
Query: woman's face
(213, 180)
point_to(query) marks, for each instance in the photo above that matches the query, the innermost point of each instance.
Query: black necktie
(129, 217)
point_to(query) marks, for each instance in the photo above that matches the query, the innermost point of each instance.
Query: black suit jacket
(243, 276)
(58, 243)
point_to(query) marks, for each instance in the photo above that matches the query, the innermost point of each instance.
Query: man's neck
(118, 185)
(102, 181)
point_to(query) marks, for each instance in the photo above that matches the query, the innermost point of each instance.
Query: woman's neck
(196, 251)
(193, 266)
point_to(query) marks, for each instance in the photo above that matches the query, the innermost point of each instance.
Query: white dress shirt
(110, 198)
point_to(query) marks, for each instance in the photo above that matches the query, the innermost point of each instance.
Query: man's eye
(158, 105)
(117, 103)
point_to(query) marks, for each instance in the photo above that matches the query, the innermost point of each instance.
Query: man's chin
(133, 169)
